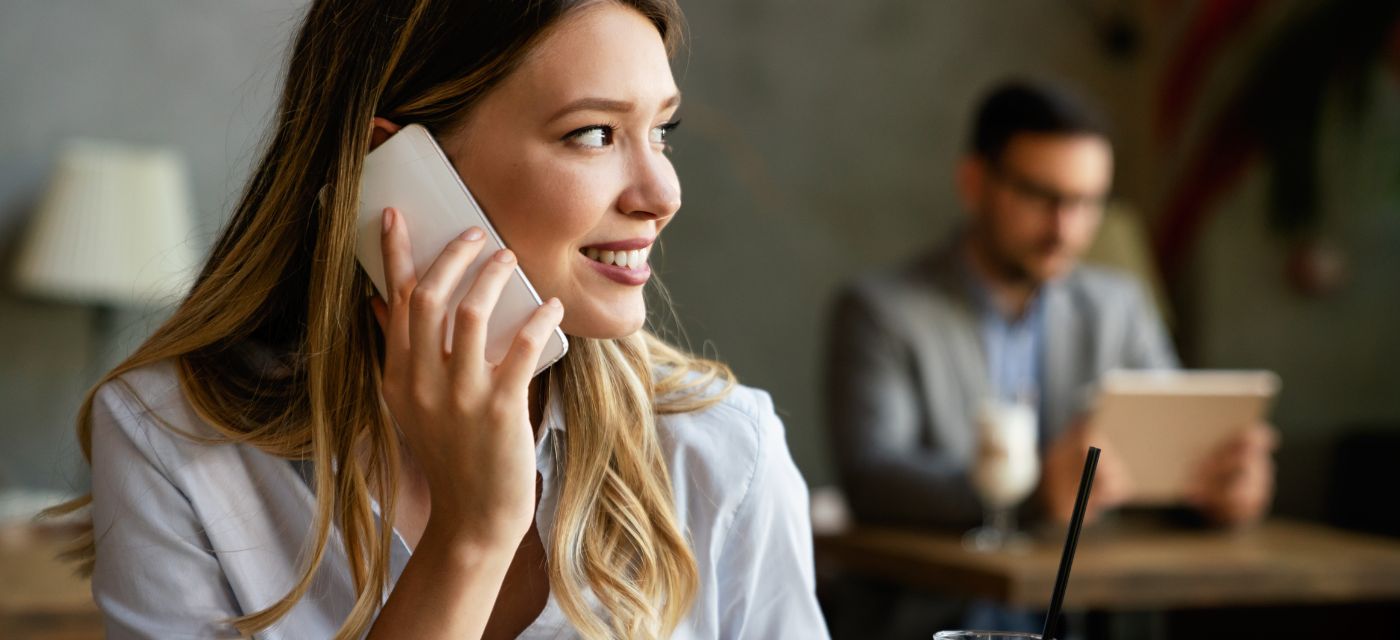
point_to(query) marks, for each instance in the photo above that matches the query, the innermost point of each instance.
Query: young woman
(290, 456)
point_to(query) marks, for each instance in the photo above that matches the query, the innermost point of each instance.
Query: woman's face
(568, 158)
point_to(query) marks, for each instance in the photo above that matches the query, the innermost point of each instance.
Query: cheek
(543, 210)
(1020, 225)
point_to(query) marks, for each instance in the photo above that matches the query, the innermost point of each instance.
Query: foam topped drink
(1005, 471)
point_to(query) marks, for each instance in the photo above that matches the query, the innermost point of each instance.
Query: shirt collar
(981, 292)
(553, 419)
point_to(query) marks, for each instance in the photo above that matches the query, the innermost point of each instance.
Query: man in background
(1003, 309)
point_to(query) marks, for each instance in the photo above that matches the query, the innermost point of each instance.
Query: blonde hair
(283, 274)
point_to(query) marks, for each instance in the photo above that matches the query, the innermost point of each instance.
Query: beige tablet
(1163, 423)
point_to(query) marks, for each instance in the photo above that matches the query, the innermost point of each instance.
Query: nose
(1065, 214)
(1068, 213)
(653, 190)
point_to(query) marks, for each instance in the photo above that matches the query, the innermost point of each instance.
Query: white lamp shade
(112, 228)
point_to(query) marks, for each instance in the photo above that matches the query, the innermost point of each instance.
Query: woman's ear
(380, 130)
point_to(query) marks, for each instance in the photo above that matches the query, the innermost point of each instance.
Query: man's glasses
(1043, 196)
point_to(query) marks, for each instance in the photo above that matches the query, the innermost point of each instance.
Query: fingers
(473, 312)
(1078, 435)
(1243, 499)
(428, 302)
(1113, 485)
(1257, 439)
(1070, 445)
(399, 279)
(381, 313)
(1262, 437)
(519, 365)
(1110, 472)
(1249, 448)
(1236, 484)
(414, 315)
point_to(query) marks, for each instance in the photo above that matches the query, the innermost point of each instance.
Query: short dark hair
(1025, 106)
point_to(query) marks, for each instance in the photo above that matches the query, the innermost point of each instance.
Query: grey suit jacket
(906, 373)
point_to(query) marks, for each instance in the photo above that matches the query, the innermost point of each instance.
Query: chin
(603, 321)
(1048, 269)
(1045, 276)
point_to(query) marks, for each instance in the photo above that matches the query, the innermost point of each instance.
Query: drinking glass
(1005, 472)
(985, 635)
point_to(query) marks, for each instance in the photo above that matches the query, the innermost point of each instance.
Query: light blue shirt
(189, 535)
(1014, 346)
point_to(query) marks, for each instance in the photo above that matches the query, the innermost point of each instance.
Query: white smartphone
(410, 173)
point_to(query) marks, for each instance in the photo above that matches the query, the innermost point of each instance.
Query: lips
(623, 261)
(629, 259)
(622, 245)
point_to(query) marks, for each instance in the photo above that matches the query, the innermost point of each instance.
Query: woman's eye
(660, 134)
(594, 137)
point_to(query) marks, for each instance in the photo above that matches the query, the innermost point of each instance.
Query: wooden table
(40, 597)
(1274, 563)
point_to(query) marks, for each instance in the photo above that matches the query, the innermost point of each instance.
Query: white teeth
(625, 259)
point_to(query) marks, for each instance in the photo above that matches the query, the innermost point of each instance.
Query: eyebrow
(605, 104)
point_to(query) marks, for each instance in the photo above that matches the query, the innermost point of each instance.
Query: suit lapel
(965, 344)
(1065, 345)
(956, 352)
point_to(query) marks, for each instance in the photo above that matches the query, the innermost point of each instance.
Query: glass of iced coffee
(1005, 471)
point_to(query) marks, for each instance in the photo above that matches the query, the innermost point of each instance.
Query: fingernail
(505, 256)
(388, 219)
(554, 302)
(472, 234)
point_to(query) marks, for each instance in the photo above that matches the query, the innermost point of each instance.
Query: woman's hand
(466, 421)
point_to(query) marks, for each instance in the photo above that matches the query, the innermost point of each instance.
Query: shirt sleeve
(767, 580)
(1148, 345)
(888, 474)
(155, 575)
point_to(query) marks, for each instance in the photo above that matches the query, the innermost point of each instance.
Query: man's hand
(1235, 484)
(1064, 465)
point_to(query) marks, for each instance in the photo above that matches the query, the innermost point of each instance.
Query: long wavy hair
(283, 275)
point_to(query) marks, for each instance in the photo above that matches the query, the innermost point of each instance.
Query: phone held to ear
(410, 173)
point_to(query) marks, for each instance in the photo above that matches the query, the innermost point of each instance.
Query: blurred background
(1258, 148)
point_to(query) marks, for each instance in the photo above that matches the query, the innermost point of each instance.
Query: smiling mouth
(627, 259)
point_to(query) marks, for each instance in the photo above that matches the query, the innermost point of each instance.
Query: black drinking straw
(1076, 522)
